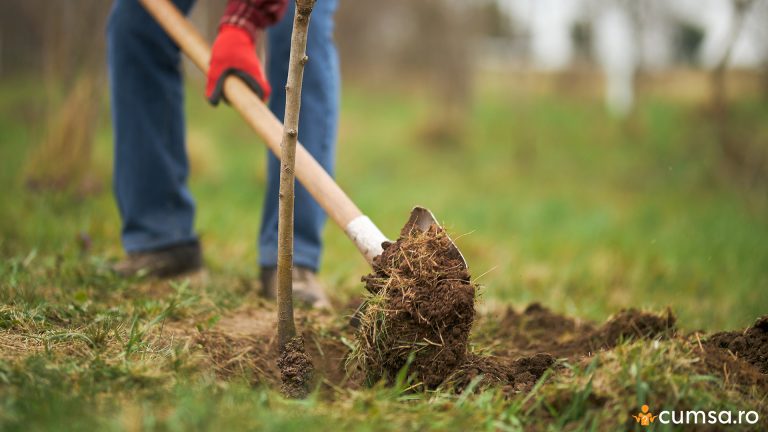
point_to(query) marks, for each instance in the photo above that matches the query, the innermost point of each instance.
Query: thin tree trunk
(286, 329)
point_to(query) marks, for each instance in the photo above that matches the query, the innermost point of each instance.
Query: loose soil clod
(520, 346)
(537, 329)
(295, 369)
(751, 345)
(421, 306)
(536, 337)
(738, 357)
(421, 309)
(518, 376)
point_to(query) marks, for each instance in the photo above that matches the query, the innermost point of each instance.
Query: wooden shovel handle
(309, 172)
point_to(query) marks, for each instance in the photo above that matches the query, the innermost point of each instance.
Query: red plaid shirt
(253, 15)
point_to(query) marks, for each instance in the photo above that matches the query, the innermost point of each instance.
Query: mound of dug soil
(523, 346)
(750, 345)
(529, 343)
(421, 310)
(537, 329)
(421, 306)
(731, 368)
(518, 376)
(430, 318)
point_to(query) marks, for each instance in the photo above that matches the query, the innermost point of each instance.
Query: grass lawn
(551, 200)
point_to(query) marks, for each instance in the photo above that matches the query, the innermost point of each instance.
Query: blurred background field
(557, 191)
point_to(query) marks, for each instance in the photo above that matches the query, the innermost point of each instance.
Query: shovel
(358, 227)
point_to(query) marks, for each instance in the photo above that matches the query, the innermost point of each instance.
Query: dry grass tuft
(62, 161)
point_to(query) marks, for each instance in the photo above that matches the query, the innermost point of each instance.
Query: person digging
(151, 166)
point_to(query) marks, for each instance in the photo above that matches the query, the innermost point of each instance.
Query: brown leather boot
(162, 263)
(307, 289)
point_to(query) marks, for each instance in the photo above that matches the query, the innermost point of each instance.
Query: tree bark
(286, 328)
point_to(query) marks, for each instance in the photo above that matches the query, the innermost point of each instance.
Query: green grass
(553, 201)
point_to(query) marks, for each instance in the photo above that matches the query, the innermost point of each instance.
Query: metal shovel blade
(422, 218)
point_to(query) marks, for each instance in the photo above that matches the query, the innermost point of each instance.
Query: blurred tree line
(54, 43)
(62, 44)
(428, 46)
(63, 39)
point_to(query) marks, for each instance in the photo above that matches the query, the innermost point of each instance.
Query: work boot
(162, 263)
(307, 289)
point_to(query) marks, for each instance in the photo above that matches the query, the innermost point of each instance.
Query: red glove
(234, 52)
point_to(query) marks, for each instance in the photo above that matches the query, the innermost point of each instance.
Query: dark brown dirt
(518, 376)
(295, 369)
(738, 357)
(731, 368)
(528, 343)
(242, 344)
(521, 347)
(421, 306)
(751, 345)
(537, 329)
(629, 324)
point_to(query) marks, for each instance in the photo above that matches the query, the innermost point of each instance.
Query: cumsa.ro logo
(645, 417)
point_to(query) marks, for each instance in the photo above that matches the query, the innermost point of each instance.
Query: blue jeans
(151, 167)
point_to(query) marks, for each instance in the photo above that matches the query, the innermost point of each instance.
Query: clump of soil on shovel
(421, 306)
(295, 369)
(421, 310)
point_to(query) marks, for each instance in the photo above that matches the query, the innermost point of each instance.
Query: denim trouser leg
(151, 166)
(317, 129)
